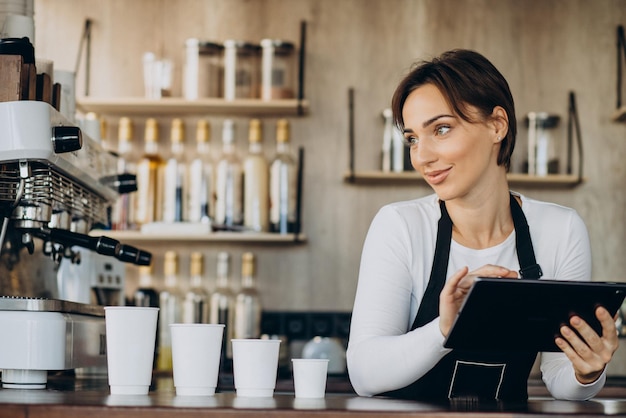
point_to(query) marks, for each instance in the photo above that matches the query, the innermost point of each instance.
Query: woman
(419, 257)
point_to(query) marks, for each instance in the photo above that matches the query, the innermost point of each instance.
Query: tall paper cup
(255, 365)
(309, 377)
(196, 350)
(130, 336)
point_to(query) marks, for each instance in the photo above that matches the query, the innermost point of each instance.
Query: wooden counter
(91, 398)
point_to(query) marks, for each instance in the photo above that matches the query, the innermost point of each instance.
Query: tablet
(525, 315)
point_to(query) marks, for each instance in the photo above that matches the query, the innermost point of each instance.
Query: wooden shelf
(515, 179)
(619, 115)
(126, 237)
(170, 106)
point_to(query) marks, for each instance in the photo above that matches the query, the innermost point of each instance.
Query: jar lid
(242, 46)
(209, 47)
(205, 47)
(280, 46)
(544, 120)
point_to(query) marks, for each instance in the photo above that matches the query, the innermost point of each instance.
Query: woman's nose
(422, 154)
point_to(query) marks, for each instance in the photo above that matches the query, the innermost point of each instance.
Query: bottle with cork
(222, 306)
(174, 175)
(147, 207)
(228, 204)
(196, 303)
(256, 181)
(248, 301)
(122, 215)
(170, 305)
(147, 296)
(283, 183)
(201, 190)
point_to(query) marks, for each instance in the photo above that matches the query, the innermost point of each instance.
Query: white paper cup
(309, 377)
(130, 336)
(255, 364)
(196, 350)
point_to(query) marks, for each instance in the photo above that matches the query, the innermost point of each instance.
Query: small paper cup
(309, 377)
(255, 365)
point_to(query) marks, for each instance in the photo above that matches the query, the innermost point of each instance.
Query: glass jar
(277, 69)
(203, 69)
(543, 146)
(241, 70)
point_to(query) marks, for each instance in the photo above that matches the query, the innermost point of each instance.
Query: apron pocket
(476, 380)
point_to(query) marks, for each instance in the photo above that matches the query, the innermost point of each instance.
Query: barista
(419, 256)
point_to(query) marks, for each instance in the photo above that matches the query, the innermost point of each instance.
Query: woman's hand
(456, 288)
(588, 351)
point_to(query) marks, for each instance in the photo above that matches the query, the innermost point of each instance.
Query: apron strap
(529, 269)
(429, 308)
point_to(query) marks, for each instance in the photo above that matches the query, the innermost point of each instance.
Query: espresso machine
(56, 185)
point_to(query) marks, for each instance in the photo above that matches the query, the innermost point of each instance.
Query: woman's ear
(499, 123)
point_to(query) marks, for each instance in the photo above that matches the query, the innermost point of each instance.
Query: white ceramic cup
(196, 350)
(19, 26)
(255, 365)
(130, 336)
(309, 377)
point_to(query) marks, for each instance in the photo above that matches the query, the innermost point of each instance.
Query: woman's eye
(411, 140)
(442, 130)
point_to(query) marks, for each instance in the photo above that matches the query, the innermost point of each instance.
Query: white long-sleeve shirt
(383, 354)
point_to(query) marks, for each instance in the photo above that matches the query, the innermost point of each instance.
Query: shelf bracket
(573, 127)
(85, 43)
(301, 59)
(298, 223)
(621, 52)
(351, 134)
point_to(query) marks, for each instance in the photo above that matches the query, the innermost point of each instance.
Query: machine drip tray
(41, 335)
(18, 303)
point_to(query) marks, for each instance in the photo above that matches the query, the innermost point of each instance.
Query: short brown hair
(465, 78)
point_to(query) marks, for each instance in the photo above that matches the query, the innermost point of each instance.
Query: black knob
(130, 254)
(66, 139)
(121, 183)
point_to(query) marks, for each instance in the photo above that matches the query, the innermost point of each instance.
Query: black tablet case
(525, 315)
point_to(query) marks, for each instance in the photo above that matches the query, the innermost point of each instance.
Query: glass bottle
(196, 303)
(228, 210)
(170, 304)
(283, 183)
(200, 193)
(174, 173)
(122, 215)
(147, 196)
(256, 182)
(222, 305)
(146, 295)
(248, 301)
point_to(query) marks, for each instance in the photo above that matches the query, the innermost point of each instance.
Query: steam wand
(101, 245)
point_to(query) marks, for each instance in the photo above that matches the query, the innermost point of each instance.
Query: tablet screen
(525, 315)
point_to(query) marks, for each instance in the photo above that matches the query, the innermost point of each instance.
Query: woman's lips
(436, 177)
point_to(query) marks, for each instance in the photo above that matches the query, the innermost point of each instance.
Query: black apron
(472, 375)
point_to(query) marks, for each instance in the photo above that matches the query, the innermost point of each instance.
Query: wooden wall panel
(546, 48)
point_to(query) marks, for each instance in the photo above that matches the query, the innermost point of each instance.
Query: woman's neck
(481, 221)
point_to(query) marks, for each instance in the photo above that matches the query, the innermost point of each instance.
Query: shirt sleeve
(572, 261)
(558, 375)
(382, 355)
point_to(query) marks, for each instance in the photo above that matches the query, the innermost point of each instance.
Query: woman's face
(454, 156)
